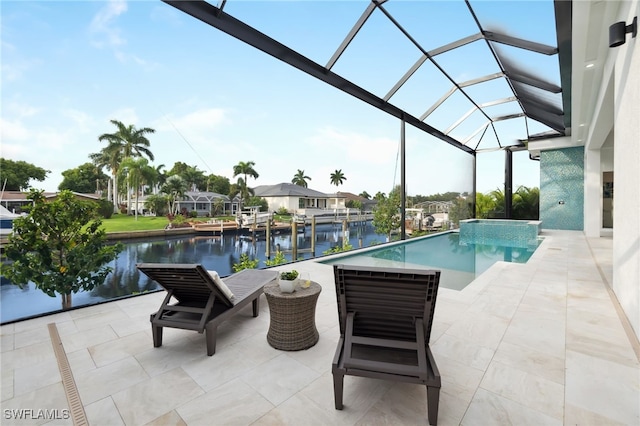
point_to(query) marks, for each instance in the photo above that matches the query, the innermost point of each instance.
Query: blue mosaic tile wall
(562, 189)
(511, 233)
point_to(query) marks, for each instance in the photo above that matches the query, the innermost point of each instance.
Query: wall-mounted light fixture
(619, 30)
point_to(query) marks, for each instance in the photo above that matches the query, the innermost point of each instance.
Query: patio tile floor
(540, 343)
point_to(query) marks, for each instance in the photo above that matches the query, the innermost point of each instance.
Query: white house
(205, 203)
(298, 199)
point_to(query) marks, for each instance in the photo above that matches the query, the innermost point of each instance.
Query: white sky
(70, 67)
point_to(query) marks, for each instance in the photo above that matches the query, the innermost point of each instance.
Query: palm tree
(126, 142)
(109, 157)
(245, 169)
(337, 178)
(132, 141)
(485, 204)
(175, 187)
(136, 172)
(498, 196)
(526, 202)
(159, 178)
(365, 194)
(193, 177)
(300, 179)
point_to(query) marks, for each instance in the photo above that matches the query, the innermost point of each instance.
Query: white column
(592, 193)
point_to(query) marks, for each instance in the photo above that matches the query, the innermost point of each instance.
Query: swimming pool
(460, 262)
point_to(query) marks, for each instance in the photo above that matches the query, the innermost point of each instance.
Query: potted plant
(288, 281)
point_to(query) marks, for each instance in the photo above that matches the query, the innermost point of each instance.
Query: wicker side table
(293, 317)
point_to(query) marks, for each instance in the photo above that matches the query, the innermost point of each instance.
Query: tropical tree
(258, 201)
(526, 203)
(218, 184)
(365, 194)
(245, 169)
(126, 142)
(386, 214)
(379, 196)
(218, 207)
(354, 204)
(240, 187)
(157, 204)
(498, 198)
(85, 178)
(132, 142)
(337, 179)
(159, 178)
(136, 173)
(59, 246)
(195, 178)
(485, 204)
(109, 158)
(300, 178)
(15, 175)
(174, 187)
(461, 210)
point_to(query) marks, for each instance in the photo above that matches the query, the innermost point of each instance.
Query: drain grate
(78, 416)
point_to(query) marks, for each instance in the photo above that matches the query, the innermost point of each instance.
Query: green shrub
(245, 263)
(283, 211)
(105, 208)
(178, 219)
(278, 259)
(338, 249)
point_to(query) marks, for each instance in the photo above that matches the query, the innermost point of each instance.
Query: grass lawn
(124, 223)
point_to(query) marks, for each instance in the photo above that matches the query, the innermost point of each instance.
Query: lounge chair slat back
(387, 301)
(188, 281)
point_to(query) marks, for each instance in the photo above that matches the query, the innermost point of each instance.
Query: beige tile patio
(235, 403)
(279, 378)
(154, 397)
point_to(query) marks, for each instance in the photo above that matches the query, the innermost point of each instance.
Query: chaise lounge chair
(203, 300)
(385, 317)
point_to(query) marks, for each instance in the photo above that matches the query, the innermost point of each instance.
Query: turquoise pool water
(460, 263)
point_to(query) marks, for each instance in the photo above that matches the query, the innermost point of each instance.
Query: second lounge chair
(203, 301)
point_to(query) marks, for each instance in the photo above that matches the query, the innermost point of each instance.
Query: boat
(6, 221)
(252, 218)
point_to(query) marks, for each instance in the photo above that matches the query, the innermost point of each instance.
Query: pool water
(459, 263)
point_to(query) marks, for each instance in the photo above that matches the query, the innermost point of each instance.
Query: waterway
(218, 253)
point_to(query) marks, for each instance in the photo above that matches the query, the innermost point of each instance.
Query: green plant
(338, 249)
(105, 208)
(245, 263)
(289, 275)
(178, 219)
(278, 259)
(60, 246)
(282, 211)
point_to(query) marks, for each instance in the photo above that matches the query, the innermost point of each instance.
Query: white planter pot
(288, 286)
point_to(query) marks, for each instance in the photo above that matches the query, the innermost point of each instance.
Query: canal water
(218, 253)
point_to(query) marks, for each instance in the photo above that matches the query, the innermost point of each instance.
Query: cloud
(103, 28)
(356, 146)
(126, 116)
(12, 130)
(196, 127)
